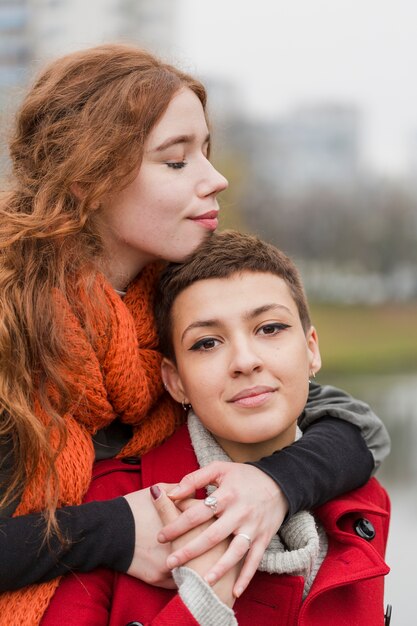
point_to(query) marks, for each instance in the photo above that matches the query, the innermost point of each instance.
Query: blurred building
(313, 147)
(15, 46)
(59, 26)
(318, 147)
(153, 24)
(412, 163)
(34, 31)
(224, 98)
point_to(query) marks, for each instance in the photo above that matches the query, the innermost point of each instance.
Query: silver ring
(248, 539)
(211, 502)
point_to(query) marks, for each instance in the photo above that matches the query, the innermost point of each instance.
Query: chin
(187, 249)
(253, 438)
(192, 243)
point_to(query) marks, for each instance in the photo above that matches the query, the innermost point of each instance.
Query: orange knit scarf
(121, 378)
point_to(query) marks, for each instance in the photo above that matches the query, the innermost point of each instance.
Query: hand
(150, 556)
(168, 512)
(248, 501)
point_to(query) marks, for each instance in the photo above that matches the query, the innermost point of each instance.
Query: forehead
(231, 297)
(184, 115)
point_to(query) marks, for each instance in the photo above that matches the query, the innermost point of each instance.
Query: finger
(249, 568)
(202, 477)
(187, 503)
(192, 517)
(167, 510)
(167, 487)
(236, 551)
(207, 539)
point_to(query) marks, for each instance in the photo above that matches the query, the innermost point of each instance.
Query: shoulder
(371, 496)
(360, 517)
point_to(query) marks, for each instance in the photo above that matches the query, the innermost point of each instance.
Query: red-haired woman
(111, 176)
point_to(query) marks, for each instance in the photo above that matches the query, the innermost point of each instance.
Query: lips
(208, 220)
(252, 397)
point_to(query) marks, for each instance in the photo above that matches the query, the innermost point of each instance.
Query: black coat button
(131, 460)
(364, 528)
(134, 624)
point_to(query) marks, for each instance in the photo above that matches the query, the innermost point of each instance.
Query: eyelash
(177, 165)
(278, 327)
(199, 345)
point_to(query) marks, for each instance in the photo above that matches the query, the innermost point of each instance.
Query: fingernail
(210, 578)
(238, 592)
(155, 492)
(172, 562)
(174, 491)
(161, 538)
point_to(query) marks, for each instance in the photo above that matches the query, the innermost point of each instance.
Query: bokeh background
(314, 112)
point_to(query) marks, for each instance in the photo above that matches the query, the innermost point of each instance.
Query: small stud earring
(312, 375)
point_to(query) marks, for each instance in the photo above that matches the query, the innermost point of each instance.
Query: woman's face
(171, 205)
(243, 360)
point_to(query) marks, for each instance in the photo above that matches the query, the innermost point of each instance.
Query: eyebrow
(178, 139)
(248, 315)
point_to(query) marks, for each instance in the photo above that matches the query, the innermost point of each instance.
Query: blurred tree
(234, 168)
(376, 231)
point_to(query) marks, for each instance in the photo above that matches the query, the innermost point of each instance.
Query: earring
(312, 375)
(186, 406)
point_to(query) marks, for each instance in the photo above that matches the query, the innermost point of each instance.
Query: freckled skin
(152, 217)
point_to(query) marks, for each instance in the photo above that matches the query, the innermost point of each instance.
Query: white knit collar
(299, 547)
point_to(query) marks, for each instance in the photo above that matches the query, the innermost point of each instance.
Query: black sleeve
(328, 401)
(330, 458)
(99, 534)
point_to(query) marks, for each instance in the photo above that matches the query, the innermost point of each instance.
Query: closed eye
(176, 165)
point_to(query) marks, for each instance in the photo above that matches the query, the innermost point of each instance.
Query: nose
(244, 359)
(212, 182)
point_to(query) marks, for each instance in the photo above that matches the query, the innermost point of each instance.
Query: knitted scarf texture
(120, 378)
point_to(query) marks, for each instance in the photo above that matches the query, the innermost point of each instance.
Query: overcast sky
(282, 53)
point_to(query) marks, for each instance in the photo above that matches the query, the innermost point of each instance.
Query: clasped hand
(248, 502)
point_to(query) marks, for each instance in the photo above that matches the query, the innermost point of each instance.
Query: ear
(172, 381)
(313, 350)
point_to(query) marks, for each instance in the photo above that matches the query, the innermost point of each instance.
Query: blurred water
(394, 399)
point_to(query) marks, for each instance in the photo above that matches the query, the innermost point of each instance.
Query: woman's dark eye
(205, 344)
(272, 329)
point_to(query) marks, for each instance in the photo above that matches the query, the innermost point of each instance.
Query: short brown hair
(220, 256)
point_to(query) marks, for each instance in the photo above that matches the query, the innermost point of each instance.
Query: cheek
(189, 374)
(144, 193)
(294, 368)
(203, 386)
(300, 358)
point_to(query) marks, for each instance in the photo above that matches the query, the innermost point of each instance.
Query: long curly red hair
(82, 125)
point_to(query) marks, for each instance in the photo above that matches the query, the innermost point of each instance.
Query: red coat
(347, 591)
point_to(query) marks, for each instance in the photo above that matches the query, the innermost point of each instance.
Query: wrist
(201, 600)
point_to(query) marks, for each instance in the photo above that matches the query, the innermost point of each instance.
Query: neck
(119, 272)
(240, 452)
(121, 263)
